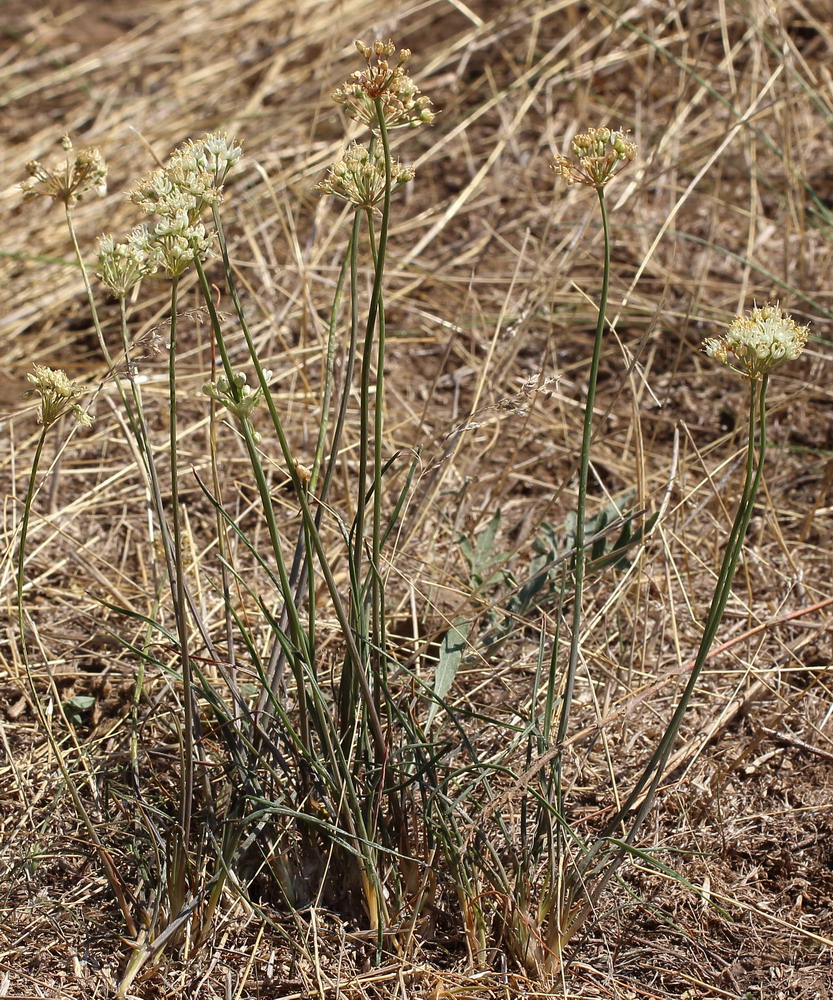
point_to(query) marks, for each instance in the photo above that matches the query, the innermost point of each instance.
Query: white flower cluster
(57, 395)
(122, 265)
(359, 176)
(178, 194)
(754, 344)
(192, 180)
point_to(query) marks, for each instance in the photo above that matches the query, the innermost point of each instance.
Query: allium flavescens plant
(308, 783)
(176, 196)
(524, 882)
(753, 346)
(554, 884)
(599, 155)
(537, 930)
(576, 873)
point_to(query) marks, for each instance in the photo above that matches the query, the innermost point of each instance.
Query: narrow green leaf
(451, 653)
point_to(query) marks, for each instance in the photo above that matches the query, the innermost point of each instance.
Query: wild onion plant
(313, 765)
(539, 876)
(556, 878)
(540, 886)
(308, 783)
(58, 399)
(753, 345)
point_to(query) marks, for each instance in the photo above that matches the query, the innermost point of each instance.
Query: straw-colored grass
(493, 278)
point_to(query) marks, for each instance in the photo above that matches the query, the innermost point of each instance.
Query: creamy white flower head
(359, 176)
(756, 343)
(122, 265)
(192, 180)
(57, 395)
(216, 154)
(175, 243)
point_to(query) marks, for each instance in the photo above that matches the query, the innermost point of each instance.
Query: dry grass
(494, 274)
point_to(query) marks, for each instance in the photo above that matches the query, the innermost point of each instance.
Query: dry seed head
(600, 154)
(402, 104)
(756, 343)
(57, 395)
(68, 181)
(359, 176)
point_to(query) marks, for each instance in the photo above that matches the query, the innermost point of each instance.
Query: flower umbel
(359, 176)
(600, 155)
(57, 395)
(68, 181)
(400, 98)
(175, 243)
(190, 182)
(756, 343)
(122, 265)
(236, 396)
(192, 179)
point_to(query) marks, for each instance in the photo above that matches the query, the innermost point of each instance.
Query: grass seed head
(600, 154)
(69, 181)
(759, 341)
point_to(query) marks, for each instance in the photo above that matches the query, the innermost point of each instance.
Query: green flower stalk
(58, 397)
(752, 346)
(538, 934)
(600, 155)
(383, 97)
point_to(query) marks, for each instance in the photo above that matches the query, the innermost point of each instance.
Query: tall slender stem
(754, 469)
(111, 874)
(287, 591)
(583, 476)
(375, 324)
(88, 289)
(653, 772)
(187, 789)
